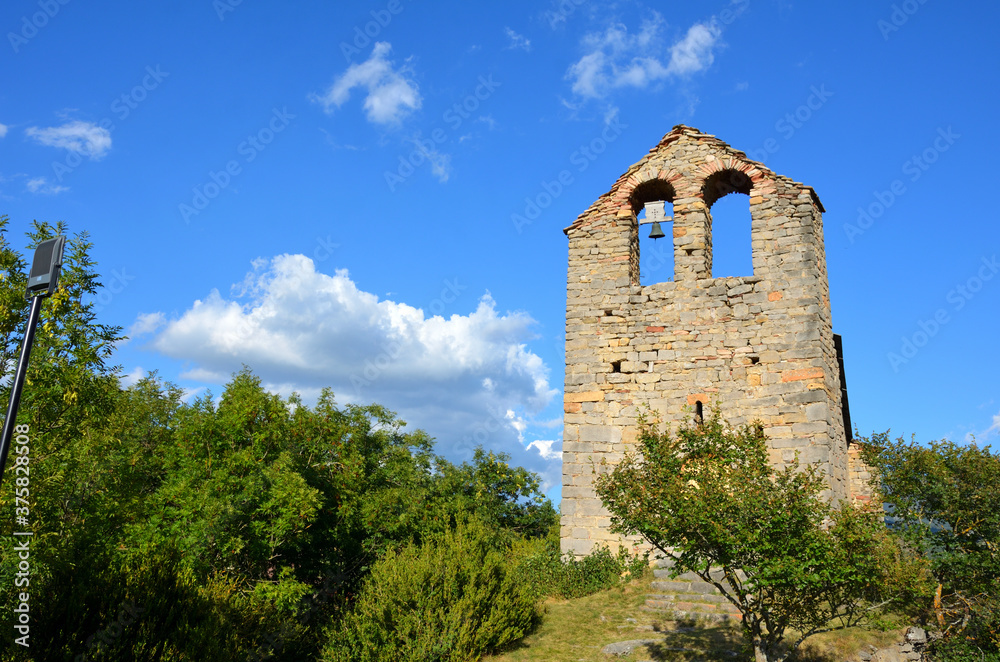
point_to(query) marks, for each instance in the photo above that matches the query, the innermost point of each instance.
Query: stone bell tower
(761, 344)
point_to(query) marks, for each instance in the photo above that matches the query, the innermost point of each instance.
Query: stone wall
(860, 475)
(762, 344)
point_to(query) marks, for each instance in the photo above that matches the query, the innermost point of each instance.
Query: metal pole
(15, 393)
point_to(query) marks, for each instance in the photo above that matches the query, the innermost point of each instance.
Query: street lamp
(42, 281)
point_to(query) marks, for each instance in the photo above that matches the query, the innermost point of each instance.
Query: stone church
(762, 344)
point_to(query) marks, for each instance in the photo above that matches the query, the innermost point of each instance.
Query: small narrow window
(699, 416)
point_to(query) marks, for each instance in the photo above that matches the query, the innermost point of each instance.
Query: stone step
(718, 602)
(696, 616)
(663, 573)
(688, 597)
(667, 564)
(688, 605)
(677, 586)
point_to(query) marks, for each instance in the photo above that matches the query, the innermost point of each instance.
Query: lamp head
(45, 267)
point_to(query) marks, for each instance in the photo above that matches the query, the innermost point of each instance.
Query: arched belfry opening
(653, 205)
(727, 197)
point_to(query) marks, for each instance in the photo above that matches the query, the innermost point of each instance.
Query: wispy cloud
(146, 323)
(439, 161)
(3, 130)
(992, 432)
(77, 136)
(694, 52)
(41, 186)
(517, 41)
(132, 378)
(392, 94)
(616, 58)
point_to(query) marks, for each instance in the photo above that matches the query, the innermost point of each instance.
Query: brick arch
(635, 191)
(718, 177)
(649, 191)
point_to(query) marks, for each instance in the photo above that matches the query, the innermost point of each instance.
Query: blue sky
(371, 196)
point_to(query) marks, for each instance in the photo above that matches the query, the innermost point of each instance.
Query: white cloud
(146, 323)
(41, 186)
(517, 41)
(3, 130)
(132, 378)
(392, 94)
(544, 448)
(468, 379)
(616, 58)
(82, 137)
(694, 53)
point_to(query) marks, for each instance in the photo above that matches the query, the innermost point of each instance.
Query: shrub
(566, 576)
(453, 598)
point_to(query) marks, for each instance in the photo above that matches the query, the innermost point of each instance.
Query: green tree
(944, 501)
(70, 394)
(789, 560)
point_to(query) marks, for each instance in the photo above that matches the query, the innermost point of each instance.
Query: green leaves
(709, 498)
(944, 501)
(452, 598)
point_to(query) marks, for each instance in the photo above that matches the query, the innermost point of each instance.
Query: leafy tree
(70, 378)
(76, 497)
(944, 501)
(766, 538)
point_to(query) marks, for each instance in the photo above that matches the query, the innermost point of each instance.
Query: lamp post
(42, 281)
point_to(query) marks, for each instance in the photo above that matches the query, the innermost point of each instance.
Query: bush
(962, 650)
(152, 609)
(978, 639)
(566, 576)
(453, 598)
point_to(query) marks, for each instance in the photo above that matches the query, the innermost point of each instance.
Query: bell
(656, 232)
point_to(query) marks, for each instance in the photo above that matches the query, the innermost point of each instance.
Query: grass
(576, 630)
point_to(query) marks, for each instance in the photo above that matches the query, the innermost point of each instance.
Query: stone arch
(723, 182)
(650, 190)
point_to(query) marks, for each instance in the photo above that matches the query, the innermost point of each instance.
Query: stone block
(600, 433)
(817, 411)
